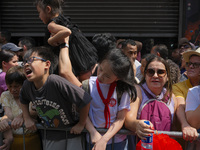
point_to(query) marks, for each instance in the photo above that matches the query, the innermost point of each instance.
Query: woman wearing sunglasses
(156, 84)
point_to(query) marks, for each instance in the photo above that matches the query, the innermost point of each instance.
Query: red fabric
(106, 101)
(162, 142)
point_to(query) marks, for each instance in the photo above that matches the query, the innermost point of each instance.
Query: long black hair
(122, 67)
(6, 55)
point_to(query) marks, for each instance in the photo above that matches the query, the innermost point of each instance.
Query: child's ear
(48, 64)
(48, 9)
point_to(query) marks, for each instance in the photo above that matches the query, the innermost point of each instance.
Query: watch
(63, 45)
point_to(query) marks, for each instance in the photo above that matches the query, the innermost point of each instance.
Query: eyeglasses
(194, 65)
(160, 72)
(32, 59)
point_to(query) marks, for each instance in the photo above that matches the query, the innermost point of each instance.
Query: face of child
(36, 69)
(14, 89)
(43, 15)
(105, 74)
(13, 62)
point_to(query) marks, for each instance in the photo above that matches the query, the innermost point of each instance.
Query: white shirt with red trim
(97, 106)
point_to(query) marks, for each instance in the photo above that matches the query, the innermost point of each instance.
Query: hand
(96, 136)
(7, 144)
(17, 122)
(30, 124)
(143, 130)
(4, 125)
(100, 144)
(77, 129)
(189, 133)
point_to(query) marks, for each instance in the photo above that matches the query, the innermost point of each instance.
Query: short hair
(6, 34)
(15, 74)
(27, 41)
(128, 41)
(45, 53)
(56, 5)
(103, 42)
(6, 55)
(162, 50)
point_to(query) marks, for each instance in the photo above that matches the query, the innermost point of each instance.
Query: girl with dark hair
(111, 91)
(62, 32)
(8, 60)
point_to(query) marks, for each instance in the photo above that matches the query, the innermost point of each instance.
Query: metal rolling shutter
(128, 18)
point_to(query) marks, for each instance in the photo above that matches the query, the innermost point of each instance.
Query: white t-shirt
(193, 98)
(97, 106)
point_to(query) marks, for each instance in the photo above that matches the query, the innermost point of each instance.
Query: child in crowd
(111, 92)
(56, 101)
(82, 53)
(8, 60)
(13, 113)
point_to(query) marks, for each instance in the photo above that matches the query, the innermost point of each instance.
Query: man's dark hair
(128, 41)
(162, 49)
(28, 42)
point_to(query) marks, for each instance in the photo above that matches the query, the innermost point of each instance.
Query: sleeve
(24, 98)
(72, 93)
(5, 99)
(192, 101)
(176, 89)
(124, 102)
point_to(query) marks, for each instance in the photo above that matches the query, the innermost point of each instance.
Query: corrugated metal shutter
(127, 18)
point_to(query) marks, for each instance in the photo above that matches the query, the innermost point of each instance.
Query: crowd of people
(71, 82)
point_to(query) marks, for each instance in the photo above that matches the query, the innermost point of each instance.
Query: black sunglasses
(160, 72)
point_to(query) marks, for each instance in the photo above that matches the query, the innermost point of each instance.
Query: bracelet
(63, 45)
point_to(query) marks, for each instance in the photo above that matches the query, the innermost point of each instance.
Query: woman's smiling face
(158, 79)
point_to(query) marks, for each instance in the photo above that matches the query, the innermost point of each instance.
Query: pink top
(3, 86)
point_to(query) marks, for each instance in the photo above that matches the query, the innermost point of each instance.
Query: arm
(113, 129)
(189, 133)
(8, 139)
(193, 108)
(94, 134)
(28, 121)
(8, 112)
(60, 32)
(77, 129)
(65, 67)
(193, 117)
(4, 123)
(132, 123)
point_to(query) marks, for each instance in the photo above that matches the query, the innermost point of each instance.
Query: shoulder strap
(147, 93)
(165, 99)
(85, 86)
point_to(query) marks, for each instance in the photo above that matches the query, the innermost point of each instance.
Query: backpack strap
(85, 86)
(165, 99)
(147, 93)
